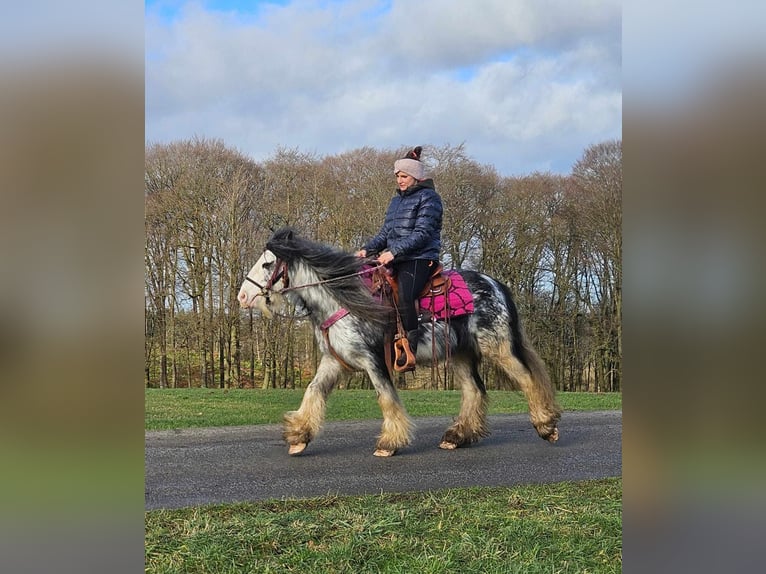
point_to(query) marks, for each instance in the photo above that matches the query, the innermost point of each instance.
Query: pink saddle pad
(458, 301)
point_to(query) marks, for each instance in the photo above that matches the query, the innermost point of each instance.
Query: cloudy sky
(526, 85)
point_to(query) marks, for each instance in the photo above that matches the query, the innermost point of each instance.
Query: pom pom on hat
(410, 164)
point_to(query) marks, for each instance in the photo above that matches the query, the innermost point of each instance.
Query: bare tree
(554, 240)
(599, 174)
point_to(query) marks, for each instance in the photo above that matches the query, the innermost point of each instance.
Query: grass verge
(184, 408)
(563, 527)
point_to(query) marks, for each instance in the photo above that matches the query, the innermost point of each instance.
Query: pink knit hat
(411, 165)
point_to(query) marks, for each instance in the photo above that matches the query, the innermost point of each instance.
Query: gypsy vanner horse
(351, 326)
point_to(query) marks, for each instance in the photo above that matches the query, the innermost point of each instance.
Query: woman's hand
(361, 253)
(385, 258)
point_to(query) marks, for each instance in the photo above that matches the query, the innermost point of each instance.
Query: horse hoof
(383, 452)
(297, 448)
(554, 436)
(446, 445)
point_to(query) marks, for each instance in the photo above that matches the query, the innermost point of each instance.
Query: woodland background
(554, 240)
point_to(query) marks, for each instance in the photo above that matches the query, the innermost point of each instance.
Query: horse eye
(268, 265)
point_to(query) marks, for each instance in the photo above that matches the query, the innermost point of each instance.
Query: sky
(525, 85)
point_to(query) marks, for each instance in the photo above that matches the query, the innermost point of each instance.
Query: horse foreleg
(471, 424)
(303, 425)
(397, 428)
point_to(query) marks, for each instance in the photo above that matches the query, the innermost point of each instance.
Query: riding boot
(412, 339)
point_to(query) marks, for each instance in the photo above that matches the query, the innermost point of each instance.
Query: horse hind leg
(471, 423)
(535, 383)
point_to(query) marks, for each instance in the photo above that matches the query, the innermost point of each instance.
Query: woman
(410, 240)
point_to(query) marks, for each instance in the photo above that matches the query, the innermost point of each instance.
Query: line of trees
(555, 240)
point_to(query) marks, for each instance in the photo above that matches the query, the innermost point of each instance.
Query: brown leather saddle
(385, 283)
(386, 286)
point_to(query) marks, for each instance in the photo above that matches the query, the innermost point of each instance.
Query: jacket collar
(424, 184)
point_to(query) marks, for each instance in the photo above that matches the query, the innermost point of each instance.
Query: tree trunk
(164, 370)
(221, 362)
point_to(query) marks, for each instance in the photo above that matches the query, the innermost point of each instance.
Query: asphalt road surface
(193, 467)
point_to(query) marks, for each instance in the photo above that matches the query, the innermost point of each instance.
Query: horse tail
(520, 347)
(536, 366)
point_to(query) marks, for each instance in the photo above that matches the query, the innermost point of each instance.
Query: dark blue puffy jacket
(413, 224)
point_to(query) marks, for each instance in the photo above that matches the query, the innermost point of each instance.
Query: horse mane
(331, 263)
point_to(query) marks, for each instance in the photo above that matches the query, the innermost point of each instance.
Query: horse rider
(409, 241)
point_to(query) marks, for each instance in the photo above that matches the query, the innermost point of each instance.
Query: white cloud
(526, 85)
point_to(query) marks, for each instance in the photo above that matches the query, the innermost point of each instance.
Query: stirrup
(404, 358)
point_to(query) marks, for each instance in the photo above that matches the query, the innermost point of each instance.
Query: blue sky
(169, 10)
(526, 85)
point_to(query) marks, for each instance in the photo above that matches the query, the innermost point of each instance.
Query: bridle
(280, 272)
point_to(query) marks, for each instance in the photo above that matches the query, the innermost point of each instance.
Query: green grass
(556, 528)
(183, 408)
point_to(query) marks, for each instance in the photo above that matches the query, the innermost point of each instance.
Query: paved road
(222, 465)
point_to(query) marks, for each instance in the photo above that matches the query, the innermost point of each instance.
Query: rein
(324, 281)
(280, 272)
